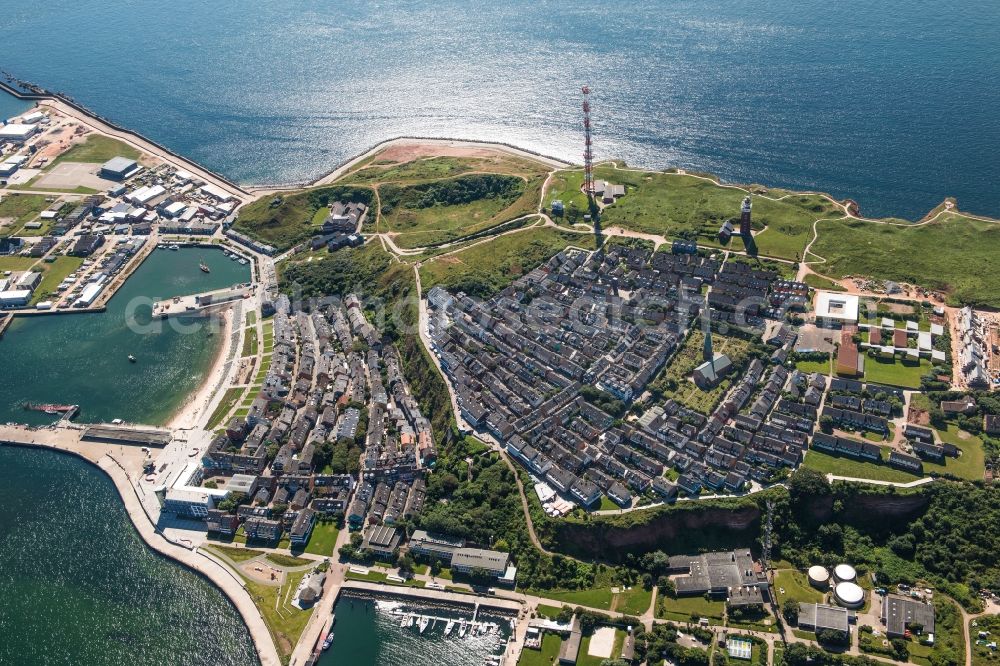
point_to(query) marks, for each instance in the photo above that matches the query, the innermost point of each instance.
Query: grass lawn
(287, 560)
(16, 263)
(96, 149)
(421, 215)
(820, 282)
(970, 465)
(249, 342)
(22, 208)
(485, 268)
(284, 621)
(546, 656)
(682, 608)
(822, 367)
(796, 586)
(594, 598)
(550, 612)
(584, 659)
(229, 400)
(54, 273)
(982, 655)
(895, 372)
(667, 204)
(236, 554)
(840, 466)
(955, 254)
(287, 220)
(324, 536)
(634, 601)
(677, 373)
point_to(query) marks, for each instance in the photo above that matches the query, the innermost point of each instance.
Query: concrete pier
(200, 304)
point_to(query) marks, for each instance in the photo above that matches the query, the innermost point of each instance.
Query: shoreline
(191, 559)
(187, 413)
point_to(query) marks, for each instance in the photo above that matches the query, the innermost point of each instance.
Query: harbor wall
(190, 558)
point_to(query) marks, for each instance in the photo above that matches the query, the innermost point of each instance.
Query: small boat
(328, 641)
(463, 629)
(422, 624)
(448, 627)
(204, 267)
(234, 256)
(174, 247)
(243, 261)
(405, 622)
(131, 358)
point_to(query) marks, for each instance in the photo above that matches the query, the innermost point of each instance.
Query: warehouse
(902, 613)
(119, 168)
(817, 617)
(16, 133)
(14, 298)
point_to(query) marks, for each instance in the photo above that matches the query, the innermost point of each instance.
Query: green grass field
(16, 263)
(22, 208)
(546, 656)
(287, 220)
(323, 538)
(249, 342)
(235, 554)
(229, 400)
(670, 204)
(283, 560)
(970, 465)
(982, 655)
(840, 466)
(284, 621)
(55, 273)
(822, 367)
(417, 170)
(485, 268)
(820, 282)
(97, 149)
(682, 608)
(796, 587)
(895, 372)
(599, 597)
(954, 254)
(634, 601)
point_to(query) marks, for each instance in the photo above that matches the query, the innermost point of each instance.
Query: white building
(836, 308)
(17, 133)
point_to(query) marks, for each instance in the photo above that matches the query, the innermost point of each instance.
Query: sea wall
(209, 569)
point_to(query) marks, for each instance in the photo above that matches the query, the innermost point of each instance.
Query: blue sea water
(892, 103)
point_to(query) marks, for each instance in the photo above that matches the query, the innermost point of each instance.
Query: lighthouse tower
(745, 218)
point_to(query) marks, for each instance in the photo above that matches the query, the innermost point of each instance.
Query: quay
(200, 304)
(434, 597)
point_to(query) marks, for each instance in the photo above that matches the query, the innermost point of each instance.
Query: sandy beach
(194, 408)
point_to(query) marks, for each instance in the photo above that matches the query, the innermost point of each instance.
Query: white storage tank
(844, 573)
(849, 595)
(819, 577)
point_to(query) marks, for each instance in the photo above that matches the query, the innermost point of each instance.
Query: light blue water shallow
(891, 103)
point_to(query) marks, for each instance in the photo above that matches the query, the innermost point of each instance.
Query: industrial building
(119, 168)
(17, 133)
(900, 614)
(716, 573)
(817, 617)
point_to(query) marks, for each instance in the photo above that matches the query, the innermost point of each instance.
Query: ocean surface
(892, 103)
(80, 587)
(82, 359)
(368, 633)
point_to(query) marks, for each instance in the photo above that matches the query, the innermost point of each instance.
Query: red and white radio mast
(588, 153)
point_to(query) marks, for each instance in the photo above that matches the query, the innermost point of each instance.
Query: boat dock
(469, 601)
(200, 304)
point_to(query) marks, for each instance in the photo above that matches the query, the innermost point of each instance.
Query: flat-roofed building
(119, 168)
(902, 613)
(817, 617)
(493, 562)
(17, 133)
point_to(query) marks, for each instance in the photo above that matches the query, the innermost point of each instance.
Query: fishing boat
(204, 267)
(131, 358)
